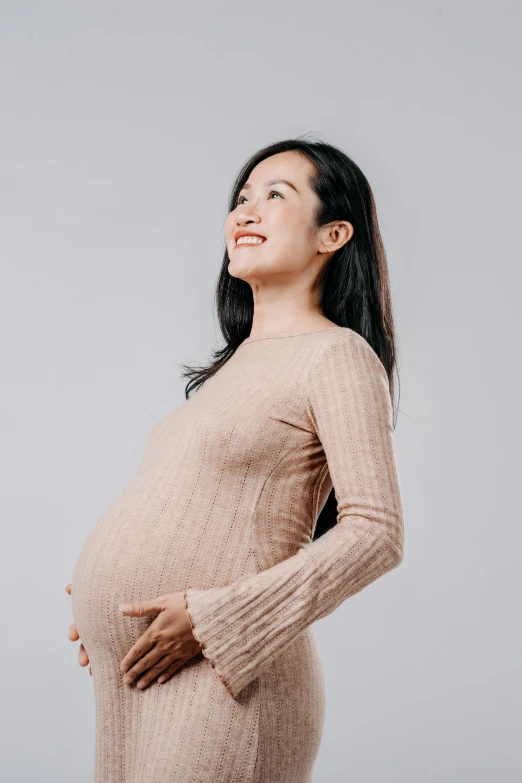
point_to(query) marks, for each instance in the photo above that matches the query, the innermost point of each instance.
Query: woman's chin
(242, 268)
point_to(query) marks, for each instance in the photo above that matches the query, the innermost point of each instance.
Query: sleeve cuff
(204, 649)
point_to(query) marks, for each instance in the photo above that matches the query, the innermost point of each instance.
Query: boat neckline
(289, 334)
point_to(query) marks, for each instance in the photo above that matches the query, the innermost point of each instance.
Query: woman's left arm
(242, 626)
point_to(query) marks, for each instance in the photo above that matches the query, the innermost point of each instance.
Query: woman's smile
(249, 241)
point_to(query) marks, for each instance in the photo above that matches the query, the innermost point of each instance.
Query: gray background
(123, 126)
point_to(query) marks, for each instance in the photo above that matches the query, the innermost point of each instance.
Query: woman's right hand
(83, 658)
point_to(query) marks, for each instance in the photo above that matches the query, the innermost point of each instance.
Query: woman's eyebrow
(246, 186)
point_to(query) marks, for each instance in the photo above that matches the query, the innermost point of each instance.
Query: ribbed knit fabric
(224, 506)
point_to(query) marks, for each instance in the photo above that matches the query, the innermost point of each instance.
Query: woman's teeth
(249, 241)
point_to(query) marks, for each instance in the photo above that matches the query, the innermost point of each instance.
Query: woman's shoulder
(343, 345)
(346, 381)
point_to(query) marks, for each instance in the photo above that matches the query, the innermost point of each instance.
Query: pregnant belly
(134, 552)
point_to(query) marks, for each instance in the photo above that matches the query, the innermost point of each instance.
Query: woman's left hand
(167, 643)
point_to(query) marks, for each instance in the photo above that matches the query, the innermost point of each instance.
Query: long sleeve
(242, 626)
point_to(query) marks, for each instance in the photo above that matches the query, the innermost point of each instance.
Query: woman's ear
(334, 235)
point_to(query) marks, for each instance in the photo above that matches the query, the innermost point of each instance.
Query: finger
(151, 674)
(170, 670)
(68, 589)
(73, 633)
(142, 608)
(145, 662)
(145, 643)
(83, 658)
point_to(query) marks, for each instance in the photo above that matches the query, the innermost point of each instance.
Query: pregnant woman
(195, 592)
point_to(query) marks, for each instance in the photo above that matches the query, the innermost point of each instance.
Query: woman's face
(282, 214)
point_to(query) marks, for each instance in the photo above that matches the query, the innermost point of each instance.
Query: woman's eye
(269, 194)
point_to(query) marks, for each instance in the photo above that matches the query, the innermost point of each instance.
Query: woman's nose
(248, 216)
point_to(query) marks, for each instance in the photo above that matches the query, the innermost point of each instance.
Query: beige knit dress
(224, 504)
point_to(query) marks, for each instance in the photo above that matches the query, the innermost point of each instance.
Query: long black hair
(354, 284)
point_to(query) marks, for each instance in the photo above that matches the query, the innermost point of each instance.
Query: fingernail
(161, 679)
(124, 607)
(140, 685)
(126, 680)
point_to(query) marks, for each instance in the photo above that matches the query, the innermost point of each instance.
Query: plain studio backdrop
(123, 126)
